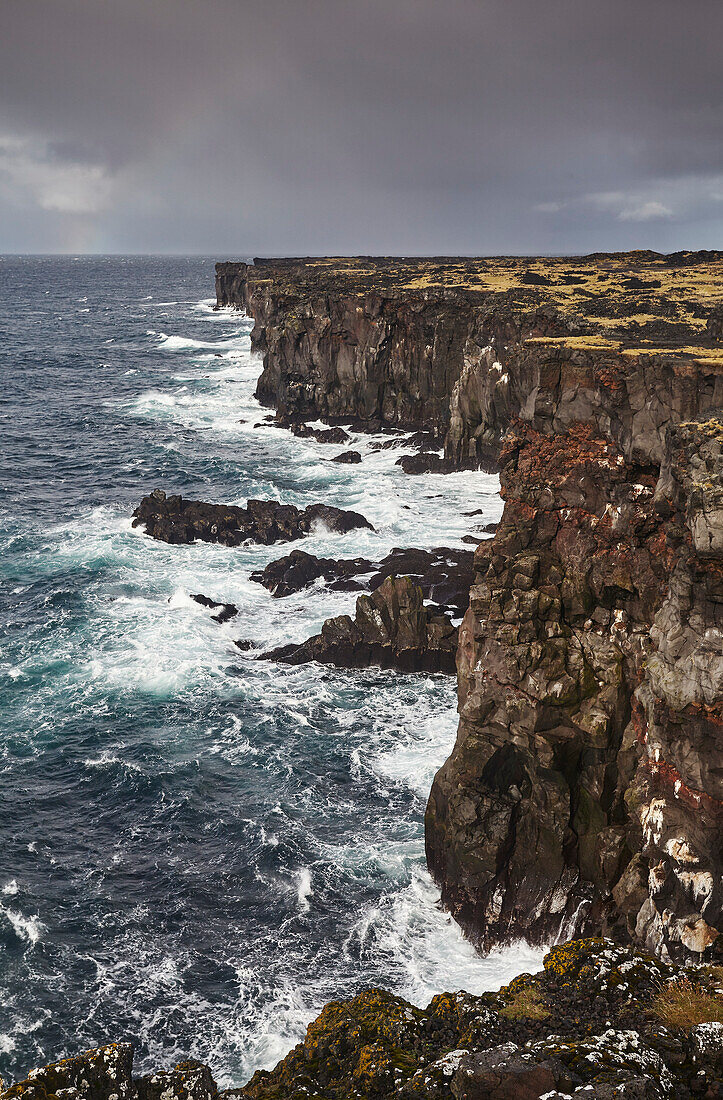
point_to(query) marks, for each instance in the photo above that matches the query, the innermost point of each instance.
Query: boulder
(350, 457)
(298, 569)
(426, 462)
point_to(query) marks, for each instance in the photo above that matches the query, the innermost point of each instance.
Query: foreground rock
(392, 628)
(176, 520)
(107, 1074)
(444, 574)
(599, 1022)
(589, 1026)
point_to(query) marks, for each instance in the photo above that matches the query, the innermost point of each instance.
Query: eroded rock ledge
(598, 1022)
(585, 789)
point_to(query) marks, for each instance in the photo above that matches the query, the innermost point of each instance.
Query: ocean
(197, 848)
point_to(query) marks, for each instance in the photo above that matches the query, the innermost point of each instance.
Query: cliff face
(584, 790)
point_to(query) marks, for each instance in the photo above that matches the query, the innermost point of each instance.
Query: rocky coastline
(584, 794)
(600, 1021)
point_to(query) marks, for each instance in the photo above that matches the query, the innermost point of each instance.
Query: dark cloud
(316, 126)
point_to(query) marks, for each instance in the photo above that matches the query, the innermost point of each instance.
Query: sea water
(197, 848)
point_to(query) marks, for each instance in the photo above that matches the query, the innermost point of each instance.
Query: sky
(327, 127)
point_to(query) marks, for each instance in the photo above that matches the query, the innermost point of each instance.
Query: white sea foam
(421, 943)
(185, 343)
(10, 888)
(304, 889)
(25, 928)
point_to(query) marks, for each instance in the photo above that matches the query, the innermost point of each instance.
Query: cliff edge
(584, 791)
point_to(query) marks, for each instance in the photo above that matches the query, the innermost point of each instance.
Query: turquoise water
(197, 849)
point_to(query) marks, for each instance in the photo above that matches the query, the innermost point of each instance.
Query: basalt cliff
(584, 791)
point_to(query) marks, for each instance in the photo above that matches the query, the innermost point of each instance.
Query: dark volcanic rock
(714, 325)
(189, 1080)
(321, 435)
(391, 628)
(443, 574)
(225, 611)
(95, 1075)
(581, 791)
(533, 278)
(426, 462)
(347, 456)
(106, 1074)
(298, 569)
(634, 283)
(175, 520)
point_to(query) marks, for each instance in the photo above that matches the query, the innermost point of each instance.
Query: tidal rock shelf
(599, 1022)
(585, 791)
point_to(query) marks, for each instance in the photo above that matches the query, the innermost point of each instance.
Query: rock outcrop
(222, 612)
(584, 791)
(590, 701)
(443, 574)
(392, 628)
(107, 1074)
(177, 520)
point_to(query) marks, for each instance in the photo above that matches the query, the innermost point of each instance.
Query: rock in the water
(298, 569)
(305, 431)
(426, 462)
(391, 628)
(443, 574)
(176, 520)
(352, 457)
(225, 611)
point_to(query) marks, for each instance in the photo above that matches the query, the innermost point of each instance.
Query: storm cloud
(376, 126)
